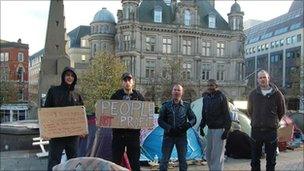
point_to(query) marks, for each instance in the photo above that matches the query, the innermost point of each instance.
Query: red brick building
(14, 69)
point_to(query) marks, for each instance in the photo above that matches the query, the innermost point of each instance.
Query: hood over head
(66, 69)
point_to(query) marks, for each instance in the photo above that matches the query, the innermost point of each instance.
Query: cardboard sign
(62, 121)
(124, 114)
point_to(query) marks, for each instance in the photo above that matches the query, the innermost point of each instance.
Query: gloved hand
(185, 126)
(202, 132)
(224, 135)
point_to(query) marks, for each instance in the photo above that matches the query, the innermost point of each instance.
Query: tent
(235, 114)
(152, 145)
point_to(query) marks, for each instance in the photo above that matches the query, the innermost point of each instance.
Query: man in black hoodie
(215, 115)
(62, 96)
(266, 107)
(127, 138)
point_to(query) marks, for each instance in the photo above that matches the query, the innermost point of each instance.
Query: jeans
(269, 138)
(132, 142)
(167, 146)
(56, 147)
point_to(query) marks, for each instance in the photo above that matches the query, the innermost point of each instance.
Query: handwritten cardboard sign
(124, 114)
(62, 121)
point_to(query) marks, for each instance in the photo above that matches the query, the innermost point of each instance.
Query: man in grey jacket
(175, 117)
(266, 107)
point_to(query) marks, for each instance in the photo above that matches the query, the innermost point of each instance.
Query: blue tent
(152, 145)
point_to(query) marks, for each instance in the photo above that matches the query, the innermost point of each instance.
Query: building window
(5, 115)
(187, 18)
(186, 71)
(158, 14)
(220, 72)
(2, 57)
(4, 73)
(126, 12)
(167, 45)
(259, 48)
(94, 49)
(288, 40)
(150, 68)
(150, 43)
(20, 74)
(220, 49)
(127, 64)
(272, 45)
(277, 43)
(20, 57)
(166, 72)
(126, 42)
(299, 38)
(263, 47)
(20, 95)
(83, 57)
(266, 46)
(206, 48)
(187, 47)
(206, 71)
(211, 21)
(293, 39)
(22, 115)
(83, 43)
(282, 42)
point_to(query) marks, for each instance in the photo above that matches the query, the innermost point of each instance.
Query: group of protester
(266, 106)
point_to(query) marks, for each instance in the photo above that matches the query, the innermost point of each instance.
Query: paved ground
(26, 160)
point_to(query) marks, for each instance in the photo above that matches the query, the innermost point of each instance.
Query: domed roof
(104, 15)
(235, 8)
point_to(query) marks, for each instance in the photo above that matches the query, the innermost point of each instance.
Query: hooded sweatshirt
(64, 94)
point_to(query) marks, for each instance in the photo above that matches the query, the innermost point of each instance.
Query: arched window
(158, 14)
(187, 18)
(20, 74)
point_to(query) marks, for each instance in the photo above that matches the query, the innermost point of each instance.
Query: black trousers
(132, 142)
(56, 147)
(269, 138)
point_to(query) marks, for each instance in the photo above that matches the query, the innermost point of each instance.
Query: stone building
(148, 33)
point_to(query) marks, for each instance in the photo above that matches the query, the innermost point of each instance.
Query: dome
(235, 8)
(104, 15)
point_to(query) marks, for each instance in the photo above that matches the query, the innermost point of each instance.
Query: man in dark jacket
(215, 115)
(127, 137)
(266, 107)
(62, 96)
(175, 117)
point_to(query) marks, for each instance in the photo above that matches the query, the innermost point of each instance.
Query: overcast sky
(28, 19)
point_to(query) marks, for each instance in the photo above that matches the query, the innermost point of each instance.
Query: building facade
(277, 46)
(149, 32)
(34, 69)
(14, 80)
(14, 67)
